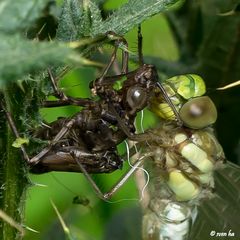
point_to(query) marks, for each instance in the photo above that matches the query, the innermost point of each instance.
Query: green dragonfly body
(181, 170)
(183, 164)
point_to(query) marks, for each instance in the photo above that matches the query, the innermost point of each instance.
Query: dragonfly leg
(125, 57)
(169, 102)
(85, 102)
(105, 71)
(120, 182)
(131, 136)
(118, 42)
(68, 125)
(37, 158)
(140, 45)
(57, 92)
(126, 176)
(88, 176)
(64, 100)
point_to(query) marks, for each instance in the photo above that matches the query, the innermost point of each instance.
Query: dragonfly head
(185, 93)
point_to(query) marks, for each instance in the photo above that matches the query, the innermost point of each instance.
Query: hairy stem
(13, 179)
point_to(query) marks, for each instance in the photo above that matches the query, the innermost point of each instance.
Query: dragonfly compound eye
(198, 112)
(136, 98)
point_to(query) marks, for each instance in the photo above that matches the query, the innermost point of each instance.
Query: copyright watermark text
(216, 234)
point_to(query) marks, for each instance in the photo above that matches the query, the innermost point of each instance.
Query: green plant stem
(13, 178)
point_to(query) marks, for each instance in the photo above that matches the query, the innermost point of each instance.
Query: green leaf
(18, 15)
(19, 142)
(19, 56)
(77, 18)
(95, 13)
(131, 14)
(69, 27)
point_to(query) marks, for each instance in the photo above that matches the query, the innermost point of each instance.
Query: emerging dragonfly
(182, 153)
(187, 168)
(181, 163)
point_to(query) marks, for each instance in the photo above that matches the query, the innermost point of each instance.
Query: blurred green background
(91, 221)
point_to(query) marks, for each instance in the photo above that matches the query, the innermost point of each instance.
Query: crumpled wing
(219, 217)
